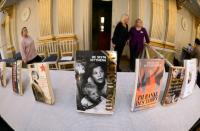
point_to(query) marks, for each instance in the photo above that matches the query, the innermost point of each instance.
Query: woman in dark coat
(137, 34)
(120, 37)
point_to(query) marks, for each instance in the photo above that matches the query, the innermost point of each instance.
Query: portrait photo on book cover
(93, 95)
(37, 91)
(92, 87)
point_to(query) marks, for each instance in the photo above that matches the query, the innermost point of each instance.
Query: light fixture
(102, 19)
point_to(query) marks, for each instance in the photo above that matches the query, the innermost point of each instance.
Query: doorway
(101, 24)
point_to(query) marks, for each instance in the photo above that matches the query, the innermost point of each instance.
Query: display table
(23, 113)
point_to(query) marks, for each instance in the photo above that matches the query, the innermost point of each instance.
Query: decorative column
(157, 28)
(171, 23)
(197, 26)
(198, 32)
(10, 50)
(45, 19)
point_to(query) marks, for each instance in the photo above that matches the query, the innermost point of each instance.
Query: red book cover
(149, 77)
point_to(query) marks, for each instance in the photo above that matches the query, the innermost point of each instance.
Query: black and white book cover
(95, 73)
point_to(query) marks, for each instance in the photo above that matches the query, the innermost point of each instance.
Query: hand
(127, 43)
(113, 45)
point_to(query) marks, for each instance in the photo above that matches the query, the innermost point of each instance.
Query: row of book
(96, 76)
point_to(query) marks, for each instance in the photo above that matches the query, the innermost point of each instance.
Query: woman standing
(28, 51)
(120, 37)
(137, 35)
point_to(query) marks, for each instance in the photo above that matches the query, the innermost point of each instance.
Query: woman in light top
(28, 50)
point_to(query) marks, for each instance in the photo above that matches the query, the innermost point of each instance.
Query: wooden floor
(124, 64)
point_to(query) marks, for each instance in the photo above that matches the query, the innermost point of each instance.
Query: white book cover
(190, 77)
(40, 83)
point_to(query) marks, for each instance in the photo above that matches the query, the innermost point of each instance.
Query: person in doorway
(120, 37)
(28, 50)
(196, 54)
(137, 34)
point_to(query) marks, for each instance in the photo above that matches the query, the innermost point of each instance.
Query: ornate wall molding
(163, 46)
(180, 3)
(45, 18)
(171, 22)
(157, 27)
(66, 37)
(198, 32)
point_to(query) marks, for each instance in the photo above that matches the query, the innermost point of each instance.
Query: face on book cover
(92, 93)
(177, 73)
(98, 75)
(34, 75)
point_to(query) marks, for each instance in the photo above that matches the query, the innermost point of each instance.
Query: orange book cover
(149, 76)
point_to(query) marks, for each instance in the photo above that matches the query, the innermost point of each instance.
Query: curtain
(87, 24)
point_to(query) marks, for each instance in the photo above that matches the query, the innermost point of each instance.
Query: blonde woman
(28, 51)
(137, 35)
(120, 37)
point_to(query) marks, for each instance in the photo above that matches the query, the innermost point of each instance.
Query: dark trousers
(198, 79)
(119, 49)
(37, 59)
(134, 54)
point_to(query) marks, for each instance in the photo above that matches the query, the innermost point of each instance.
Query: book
(3, 74)
(148, 82)
(174, 85)
(16, 77)
(95, 73)
(40, 83)
(190, 77)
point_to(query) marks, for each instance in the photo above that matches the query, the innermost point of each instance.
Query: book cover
(40, 83)
(16, 77)
(190, 77)
(174, 85)
(148, 82)
(95, 73)
(3, 74)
